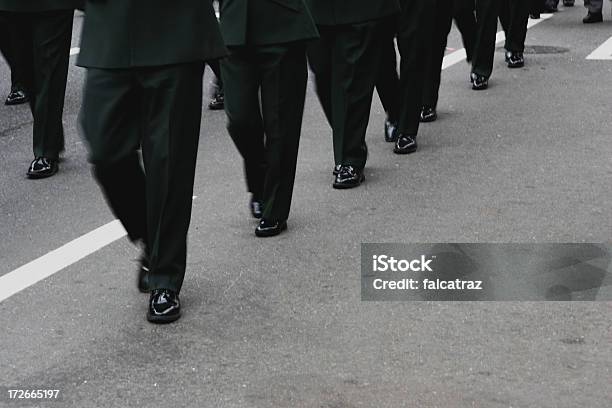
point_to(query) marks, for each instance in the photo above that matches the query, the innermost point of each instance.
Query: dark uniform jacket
(39, 5)
(265, 22)
(338, 12)
(141, 33)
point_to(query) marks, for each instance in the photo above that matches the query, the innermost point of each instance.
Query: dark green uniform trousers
(158, 110)
(12, 40)
(387, 85)
(267, 135)
(487, 12)
(513, 16)
(346, 62)
(413, 40)
(463, 13)
(45, 74)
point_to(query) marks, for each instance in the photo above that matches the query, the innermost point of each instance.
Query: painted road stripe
(603, 52)
(53, 262)
(56, 260)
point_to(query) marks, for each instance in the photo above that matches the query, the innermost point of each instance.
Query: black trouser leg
(283, 91)
(388, 79)
(432, 76)
(51, 34)
(414, 38)
(484, 47)
(244, 118)
(320, 60)
(16, 46)
(279, 72)
(513, 16)
(348, 57)
(215, 66)
(463, 13)
(158, 108)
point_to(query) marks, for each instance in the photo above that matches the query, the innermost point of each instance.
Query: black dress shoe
(515, 59)
(593, 18)
(256, 207)
(143, 274)
(405, 144)
(217, 102)
(337, 168)
(428, 114)
(479, 82)
(534, 16)
(348, 177)
(568, 3)
(164, 306)
(390, 131)
(42, 167)
(270, 228)
(16, 97)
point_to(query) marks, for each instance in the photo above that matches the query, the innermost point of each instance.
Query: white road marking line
(459, 55)
(47, 265)
(603, 52)
(53, 262)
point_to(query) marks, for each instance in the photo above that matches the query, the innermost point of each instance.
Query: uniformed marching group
(142, 98)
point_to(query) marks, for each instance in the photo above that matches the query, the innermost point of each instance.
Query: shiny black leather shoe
(428, 114)
(390, 131)
(568, 3)
(164, 306)
(337, 168)
(217, 102)
(256, 207)
(515, 59)
(143, 275)
(348, 177)
(16, 97)
(591, 18)
(405, 144)
(42, 167)
(479, 82)
(270, 228)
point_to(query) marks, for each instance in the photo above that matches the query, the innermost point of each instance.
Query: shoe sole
(428, 120)
(34, 176)
(162, 319)
(405, 151)
(216, 108)
(261, 234)
(20, 102)
(348, 186)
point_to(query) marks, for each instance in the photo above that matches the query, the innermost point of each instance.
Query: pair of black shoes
(347, 177)
(404, 144)
(164, 304)
(42, 167)
(515, 59)
(16, 97)
(266, 228)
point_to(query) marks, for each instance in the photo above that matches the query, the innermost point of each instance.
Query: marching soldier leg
(463, 13)
(513, 17)
(356, 62)
(432, 74)
(244, 122)
(414, 39)
(51, 35)
(172, 111)
(484, 48)
(320, 61)
(111, 120)
(388, 85)
(283, 90)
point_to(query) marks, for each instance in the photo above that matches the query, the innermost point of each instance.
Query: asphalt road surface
(279, 322)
